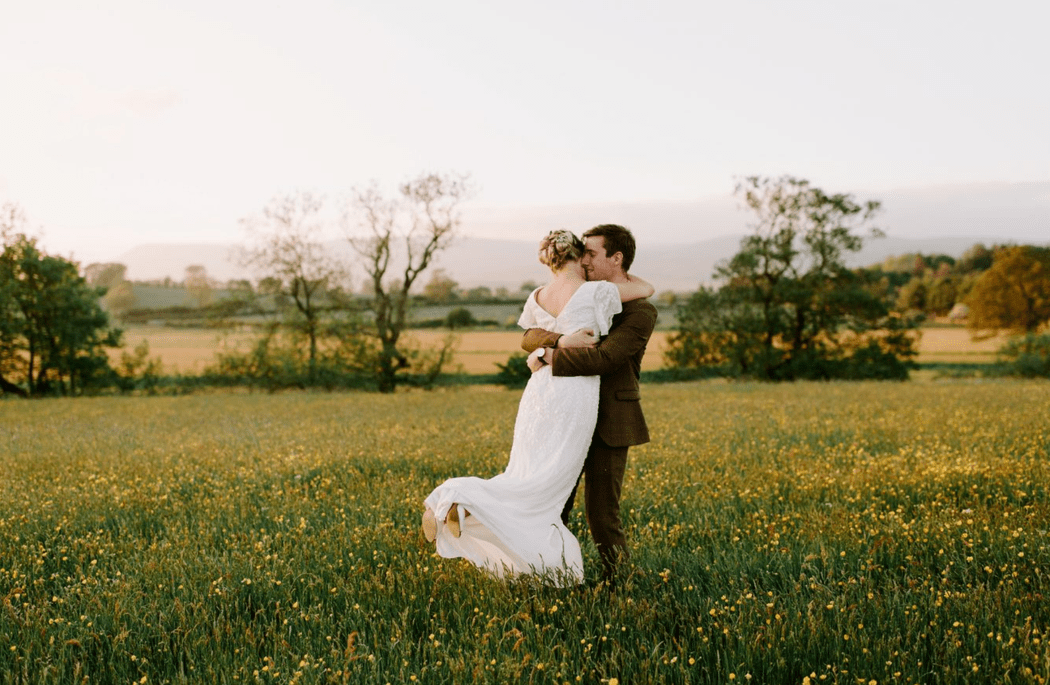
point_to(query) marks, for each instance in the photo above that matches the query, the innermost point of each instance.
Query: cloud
(149, 102)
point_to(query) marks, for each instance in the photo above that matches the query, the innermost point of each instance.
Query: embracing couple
(586, 330)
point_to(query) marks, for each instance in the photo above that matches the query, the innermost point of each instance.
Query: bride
(511, 523)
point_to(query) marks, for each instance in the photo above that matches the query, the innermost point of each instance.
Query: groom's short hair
(617, 239)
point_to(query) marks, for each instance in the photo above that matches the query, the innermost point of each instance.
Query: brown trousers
(603, 480)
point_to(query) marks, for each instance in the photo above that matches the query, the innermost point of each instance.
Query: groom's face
(595, 262)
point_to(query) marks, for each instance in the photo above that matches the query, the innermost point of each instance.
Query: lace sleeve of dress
(606, 305)
(527, 319)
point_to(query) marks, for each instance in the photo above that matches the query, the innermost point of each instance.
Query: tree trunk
(7, 386)
(313, 351)
(387, 377)
(29, 372)
(390, 361)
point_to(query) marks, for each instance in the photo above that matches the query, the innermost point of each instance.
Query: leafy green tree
(240, 287)
(904, 263)
(942, 294)
(933, 293)
(943, 267)
(54, 331)
(106, 275)
(667, 298)
(1027, 356)
(913, 295)
(787, 306)
(11, 220)
(977, 258)
(269, 285)
(717, 327)
(119, 295)
(198, 285)
(239, 298)
(460, 317)
(120, 298)
(1013, 294)
(481, 293)
(440, 288)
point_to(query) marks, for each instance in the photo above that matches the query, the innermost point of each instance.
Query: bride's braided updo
(559, 247)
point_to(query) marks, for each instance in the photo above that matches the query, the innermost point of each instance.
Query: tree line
(212, 302)
(1002, 287)
(785, 307)
(54, 332)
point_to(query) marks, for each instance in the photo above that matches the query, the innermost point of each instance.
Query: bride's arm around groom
(617, 358)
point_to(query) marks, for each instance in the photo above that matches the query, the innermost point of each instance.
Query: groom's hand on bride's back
(584, 337)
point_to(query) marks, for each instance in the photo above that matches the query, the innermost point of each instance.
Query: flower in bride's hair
(559, 247)
(561, 238)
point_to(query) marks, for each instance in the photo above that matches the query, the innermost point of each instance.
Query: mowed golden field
(798, 533)
(189, 350)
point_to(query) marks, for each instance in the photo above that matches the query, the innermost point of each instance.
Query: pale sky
(130, 122)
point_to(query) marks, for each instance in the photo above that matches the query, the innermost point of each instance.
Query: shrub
(137, 371)
(1028, 357)
(460, 317)
(425, 365)
(279, 362)
(515, 373)
(873, 362)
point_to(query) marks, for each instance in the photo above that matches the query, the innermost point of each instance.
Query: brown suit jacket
(618, 360)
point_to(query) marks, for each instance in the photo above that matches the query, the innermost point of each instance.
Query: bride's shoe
(452, 521)
(429, 525)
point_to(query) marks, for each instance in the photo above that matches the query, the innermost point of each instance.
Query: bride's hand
(645, 285)
(584, 337)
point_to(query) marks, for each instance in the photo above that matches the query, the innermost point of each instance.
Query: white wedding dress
(514, 523)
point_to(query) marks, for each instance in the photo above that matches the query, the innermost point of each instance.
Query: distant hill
(508, 263)
(680, 243)
(1011, 211)
(157, 261)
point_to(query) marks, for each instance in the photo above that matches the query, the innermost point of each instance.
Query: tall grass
(840, 533)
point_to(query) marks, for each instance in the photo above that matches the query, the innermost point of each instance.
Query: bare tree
(286, 246)
(407, 231)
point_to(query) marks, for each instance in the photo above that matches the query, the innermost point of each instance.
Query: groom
(617, 359)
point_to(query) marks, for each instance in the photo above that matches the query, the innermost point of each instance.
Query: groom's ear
(617, 259)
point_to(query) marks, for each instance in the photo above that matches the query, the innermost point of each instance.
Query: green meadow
(808, 533)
